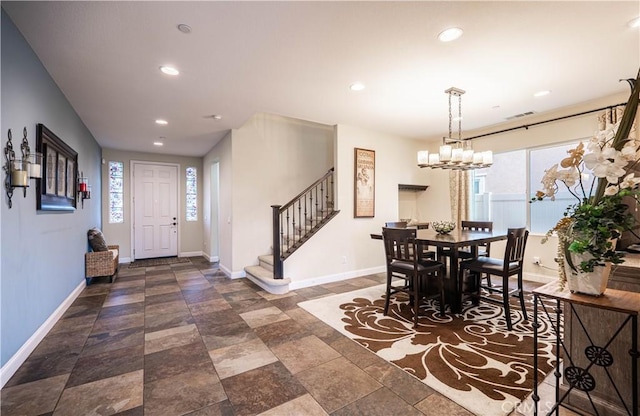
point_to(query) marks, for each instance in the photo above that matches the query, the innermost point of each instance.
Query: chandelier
(455, 153)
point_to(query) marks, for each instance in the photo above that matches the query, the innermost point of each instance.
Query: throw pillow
(96, 240)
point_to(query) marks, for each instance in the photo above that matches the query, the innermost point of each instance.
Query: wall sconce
(84, 189)
(19, 171)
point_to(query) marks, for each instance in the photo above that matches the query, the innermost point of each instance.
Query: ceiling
(298, 59)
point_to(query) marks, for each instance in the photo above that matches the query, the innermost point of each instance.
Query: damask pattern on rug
(471, 358)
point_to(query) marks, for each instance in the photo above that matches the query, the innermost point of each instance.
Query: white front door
(155, 201)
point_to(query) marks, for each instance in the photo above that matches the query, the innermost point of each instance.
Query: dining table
(453, 242)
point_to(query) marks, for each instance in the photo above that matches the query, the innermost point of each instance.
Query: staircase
(294, 224)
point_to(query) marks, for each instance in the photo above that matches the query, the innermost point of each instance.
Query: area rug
(470, 358)
(162, 261)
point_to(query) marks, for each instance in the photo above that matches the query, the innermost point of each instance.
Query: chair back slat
(516, 243)
(477, 225)
(486, 226)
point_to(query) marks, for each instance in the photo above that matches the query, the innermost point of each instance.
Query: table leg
(456, 302)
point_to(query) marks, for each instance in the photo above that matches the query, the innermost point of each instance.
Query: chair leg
(477, 291)
(521, 296)
(488, 280)
(386, 301)
(416, 300)
(440, 277)
(505, 302)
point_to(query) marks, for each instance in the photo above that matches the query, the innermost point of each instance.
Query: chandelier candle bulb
(423, 157)
(434, 159)
(456, 155)
(445, 153)
(467, 156)
(477, 158)
(487, 157)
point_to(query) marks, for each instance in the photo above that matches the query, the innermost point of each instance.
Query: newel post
(277, 261)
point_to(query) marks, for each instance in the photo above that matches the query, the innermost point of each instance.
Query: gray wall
(42, 252)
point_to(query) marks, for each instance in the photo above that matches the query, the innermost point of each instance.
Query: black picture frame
(52, 189)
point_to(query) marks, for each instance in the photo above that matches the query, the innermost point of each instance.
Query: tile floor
(185, 339)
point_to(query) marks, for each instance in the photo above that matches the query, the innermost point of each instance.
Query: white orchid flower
(611, 190)
(629, 182)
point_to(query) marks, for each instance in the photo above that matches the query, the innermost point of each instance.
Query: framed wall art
(55, 191)
(364, 183)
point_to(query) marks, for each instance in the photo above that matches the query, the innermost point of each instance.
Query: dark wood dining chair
(419, 278)
(509, 266)
(425, 253)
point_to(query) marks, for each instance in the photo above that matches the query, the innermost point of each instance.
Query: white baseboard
(190, 254)
(299, 284)
(212, 259)
(124, 260)
(11, 366)
(230, 274)
(540, 278)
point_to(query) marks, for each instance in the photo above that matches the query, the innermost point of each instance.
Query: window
(116, 186)
(545, 214)
(499, 193)
(192, 194)
(502, 192)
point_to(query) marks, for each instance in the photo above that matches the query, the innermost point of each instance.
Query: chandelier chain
(450, 117)
(460, 117)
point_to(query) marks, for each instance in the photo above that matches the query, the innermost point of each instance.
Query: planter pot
(593, 283)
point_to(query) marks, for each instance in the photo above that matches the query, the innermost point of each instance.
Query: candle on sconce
(35, 165)
(19, 176)
(83, 187)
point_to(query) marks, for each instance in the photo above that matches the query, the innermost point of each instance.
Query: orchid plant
(599, 177)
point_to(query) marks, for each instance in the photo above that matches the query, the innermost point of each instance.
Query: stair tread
(266, 276)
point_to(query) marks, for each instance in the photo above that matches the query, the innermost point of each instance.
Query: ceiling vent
(528, 113)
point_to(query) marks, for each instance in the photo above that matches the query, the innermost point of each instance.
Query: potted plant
(588, 231)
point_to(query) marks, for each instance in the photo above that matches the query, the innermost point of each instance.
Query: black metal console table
(597, 355)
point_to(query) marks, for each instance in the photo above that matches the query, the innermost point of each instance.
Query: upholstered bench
(102, 259)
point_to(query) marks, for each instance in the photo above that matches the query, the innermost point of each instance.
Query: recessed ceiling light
(356, 86)
(450, 34)
(542, 93)
(158, 144)
(169, 70)
(214, 116)
(186, 29)
(495, 107)
(634, 23)
(162, 122)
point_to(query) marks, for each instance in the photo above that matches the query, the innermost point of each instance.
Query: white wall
(217, 229)
(274, 159)
(343, 248)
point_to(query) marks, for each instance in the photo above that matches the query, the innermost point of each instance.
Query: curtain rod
(526, 126)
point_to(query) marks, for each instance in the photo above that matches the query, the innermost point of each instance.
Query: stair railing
(295, 222)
